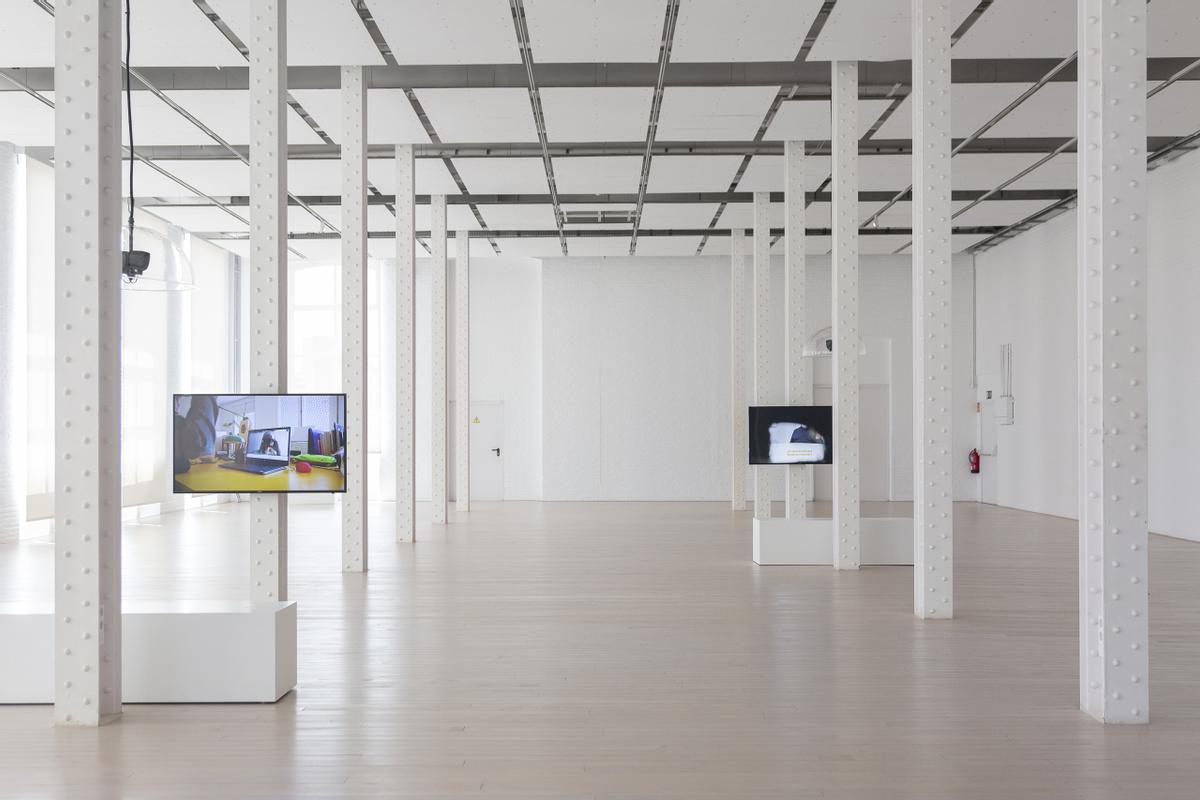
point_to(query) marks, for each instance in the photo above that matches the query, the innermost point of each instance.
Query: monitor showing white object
(791, 434)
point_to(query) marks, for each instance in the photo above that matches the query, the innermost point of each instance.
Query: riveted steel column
(438, 368)
(268, 269)
(1114, 655)
(846, 515)
(462, 372)
(354, 312)
(87, 373)
(406, 422)
(762, 337)
(740, 441)
(799, 381)
(933, 483)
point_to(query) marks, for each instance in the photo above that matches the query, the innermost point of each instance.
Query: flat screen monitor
(791, 434)
(252, 443)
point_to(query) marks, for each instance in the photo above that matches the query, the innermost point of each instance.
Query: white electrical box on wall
(1003, 410)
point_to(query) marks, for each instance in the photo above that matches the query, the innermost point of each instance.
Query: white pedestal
(171, 653)
(780, 541)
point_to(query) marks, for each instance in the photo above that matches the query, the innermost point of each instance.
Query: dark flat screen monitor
(252, 443)
(791, 434)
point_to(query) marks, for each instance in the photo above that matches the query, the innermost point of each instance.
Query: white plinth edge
(172, 653)
(795, 542)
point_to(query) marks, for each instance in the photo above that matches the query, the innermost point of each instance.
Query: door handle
(496, 450)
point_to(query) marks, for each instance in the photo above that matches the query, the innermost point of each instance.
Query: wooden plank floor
(633, 651)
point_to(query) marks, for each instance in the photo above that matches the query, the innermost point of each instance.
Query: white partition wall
(1114, 656)
(762, 337)
(462, 372)
(438, 364)
(740, 438)
(799, 380)
(933, 345)
(268, 269)
(405, 425)
(87, 406)
(354, 312)
(846, 514)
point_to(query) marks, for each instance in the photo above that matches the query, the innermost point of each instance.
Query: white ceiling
(329, 32)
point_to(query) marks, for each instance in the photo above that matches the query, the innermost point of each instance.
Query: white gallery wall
(636, 373)
(1027, 297)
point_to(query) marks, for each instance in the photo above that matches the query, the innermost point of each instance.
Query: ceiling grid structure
(670, 20)
(456, 70)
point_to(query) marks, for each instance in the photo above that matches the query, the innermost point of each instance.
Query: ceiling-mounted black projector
(134, 263)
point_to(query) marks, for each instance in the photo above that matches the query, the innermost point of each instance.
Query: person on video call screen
(269, 446)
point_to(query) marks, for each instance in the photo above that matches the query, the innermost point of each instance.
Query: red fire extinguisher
(973, 460)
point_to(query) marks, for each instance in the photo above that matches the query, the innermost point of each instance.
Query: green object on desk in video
(329, 461)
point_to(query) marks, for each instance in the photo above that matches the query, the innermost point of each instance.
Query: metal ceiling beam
(666, 41)
(602, 233)
(521, 27)
(441, 150)
(651, 198)
(810, 77)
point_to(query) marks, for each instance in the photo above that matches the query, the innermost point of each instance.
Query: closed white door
(487, 451)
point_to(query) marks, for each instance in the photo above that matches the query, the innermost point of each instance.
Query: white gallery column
(846, 514)
(87, 372)
(933, 345)
(1114, 654)
(438, 360)
(799, 381)
(406, 423)
(740, 439)
(354, 312)
(268, 270)
(462, 371)
(762, 338)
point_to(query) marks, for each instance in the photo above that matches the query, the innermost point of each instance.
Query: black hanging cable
(129, 114)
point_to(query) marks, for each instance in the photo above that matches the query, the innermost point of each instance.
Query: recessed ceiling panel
(390, 118)
(754, 30)
(530, 248)
(480, 115)
(611, 208)
(318, 33)
(809, 120)
(1022, 29)
(607, 246)
(1175, 111)
(26, 121)
(227, 112)
(610, 31)
(677, 215)
(217, 178)
(652, 246)
(448, 31)
(27, 35)
(691, 173)
(741, 215)
(505, 175)
(1048, 112)
(731, 113)
(765, 174)
(988, 171)
(458, 217)
(1174, 28)
(208, 219)
(314, 176)
(597, 174)
(612, 114)
(431, 176)
(519, 217)
(881, 245)
(300, 221)
(874, 30)
(176, 33)
(999, 212)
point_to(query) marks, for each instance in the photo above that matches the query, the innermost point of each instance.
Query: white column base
(171, 653)
(797, 542)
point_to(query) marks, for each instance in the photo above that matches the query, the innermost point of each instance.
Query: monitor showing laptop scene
(259, 443)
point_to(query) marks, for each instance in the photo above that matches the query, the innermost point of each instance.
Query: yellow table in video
(215, 478)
